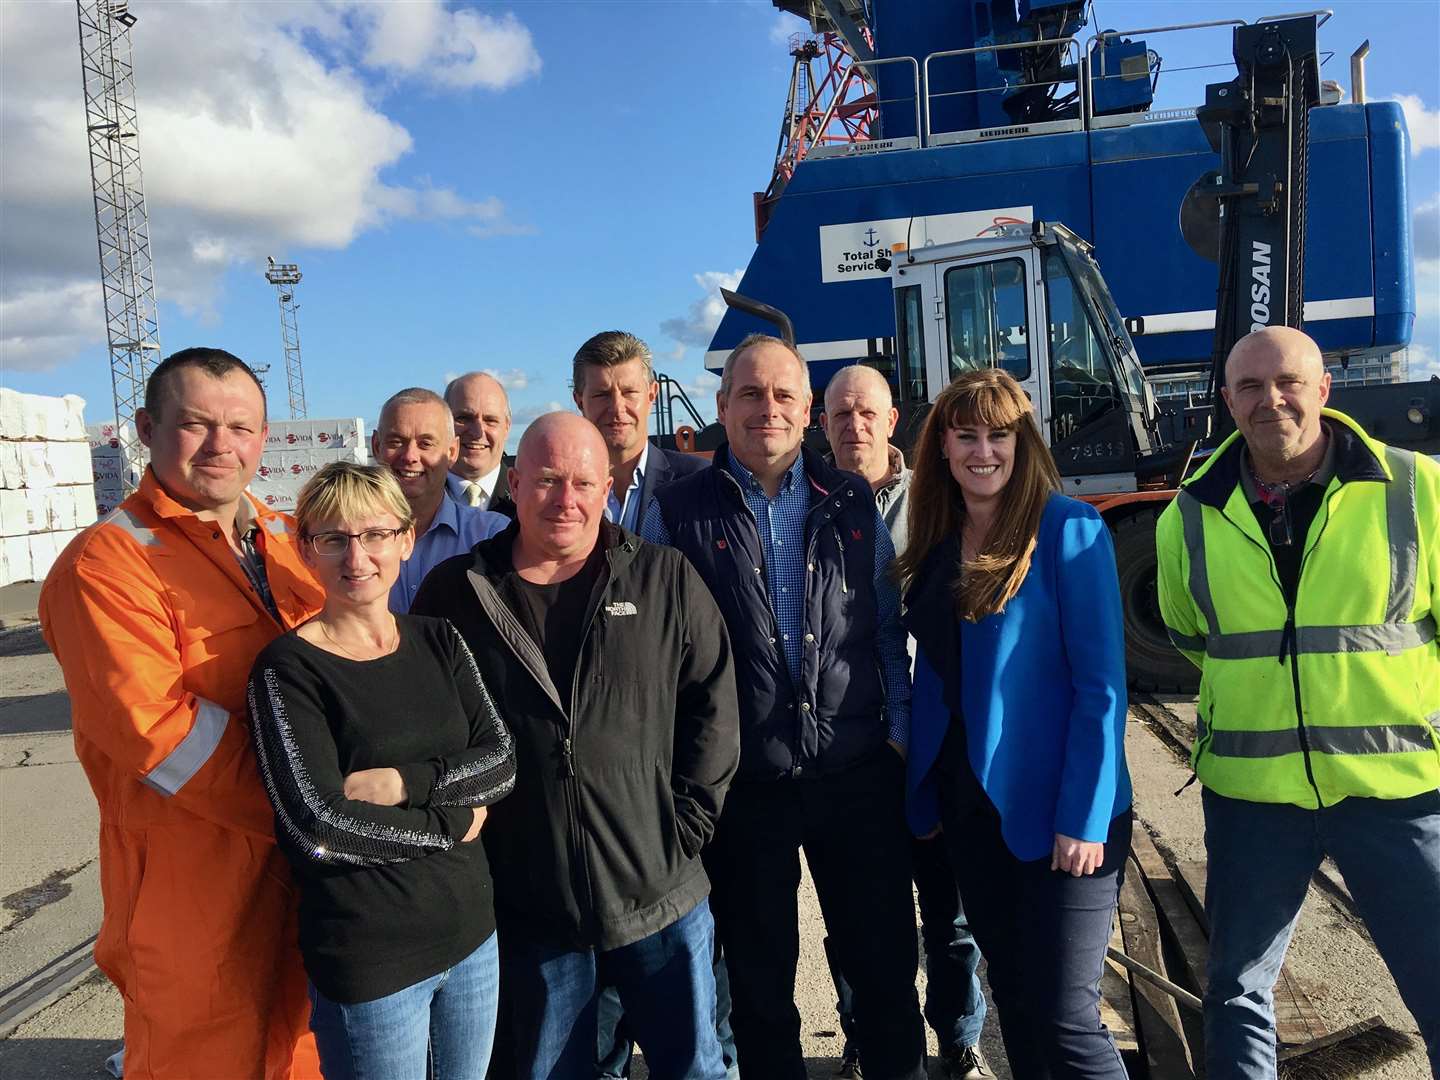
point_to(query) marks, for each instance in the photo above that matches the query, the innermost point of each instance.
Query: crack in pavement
(27, 901)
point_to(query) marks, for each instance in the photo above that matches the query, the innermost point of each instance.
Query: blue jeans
(665, 983)
(954, 999)
(1261, 859)
(614, 1046)
(447, 1019)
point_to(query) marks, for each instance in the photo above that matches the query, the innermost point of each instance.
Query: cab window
(1081, 385)
(986, 316)
(909, 380)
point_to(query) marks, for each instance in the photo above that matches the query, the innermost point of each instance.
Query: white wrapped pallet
(40, 418)
(282, 473)
(15, 560)
(46, 481)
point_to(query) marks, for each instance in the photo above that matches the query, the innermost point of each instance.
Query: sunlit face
(768, 405)
(364, 572)
(981, 460)
(1275, 390)
(618, 400)
(560, 483)
(482, 424)
(417, 443)
(858, 421)
(207, 440)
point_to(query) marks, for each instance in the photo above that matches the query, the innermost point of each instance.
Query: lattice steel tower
(127, 274)
(285, 276)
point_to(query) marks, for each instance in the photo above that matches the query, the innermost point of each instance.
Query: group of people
(489, 765)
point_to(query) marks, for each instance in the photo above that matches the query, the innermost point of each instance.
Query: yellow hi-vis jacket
(1339, 695)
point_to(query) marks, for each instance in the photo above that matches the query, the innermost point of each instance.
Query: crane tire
(1151, 661)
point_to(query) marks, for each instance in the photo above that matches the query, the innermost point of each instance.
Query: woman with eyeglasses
(1017, 738)
(380, 748)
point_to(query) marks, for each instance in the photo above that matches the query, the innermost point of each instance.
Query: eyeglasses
(332, 545)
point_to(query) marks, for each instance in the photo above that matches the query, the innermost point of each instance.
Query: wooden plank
(1157, 1017)
(1117, 1011)
(1185, 932)
(1296, 1018)
(1190, 876)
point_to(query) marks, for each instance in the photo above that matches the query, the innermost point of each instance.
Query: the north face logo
(621, 607)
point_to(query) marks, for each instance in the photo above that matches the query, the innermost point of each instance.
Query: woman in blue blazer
(1017, 742)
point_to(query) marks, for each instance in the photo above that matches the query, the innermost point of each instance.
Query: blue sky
(476, 186)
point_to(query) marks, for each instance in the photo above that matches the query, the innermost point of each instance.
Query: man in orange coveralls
(156, 614)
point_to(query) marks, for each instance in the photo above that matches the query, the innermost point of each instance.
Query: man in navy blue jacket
(797, 558)
(613, 380)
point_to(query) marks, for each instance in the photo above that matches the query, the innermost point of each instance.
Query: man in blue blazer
(613, 380)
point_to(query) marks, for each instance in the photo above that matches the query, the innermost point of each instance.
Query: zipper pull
(1287, 636)
(567, 759)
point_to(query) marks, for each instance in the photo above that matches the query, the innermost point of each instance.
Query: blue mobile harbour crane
(1008, 162)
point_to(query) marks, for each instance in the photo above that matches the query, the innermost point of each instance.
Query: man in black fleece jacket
(611, 666)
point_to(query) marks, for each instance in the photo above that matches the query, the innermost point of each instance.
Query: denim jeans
(666, 987)
(954, 999)
(851, 827)
(1261, 859)
(447, 1019)
(615, 1046)
(1043, 933)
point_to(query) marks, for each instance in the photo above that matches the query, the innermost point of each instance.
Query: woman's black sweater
(389, 895)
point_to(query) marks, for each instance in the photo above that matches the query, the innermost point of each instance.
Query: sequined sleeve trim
(322, 832)
(489, 778)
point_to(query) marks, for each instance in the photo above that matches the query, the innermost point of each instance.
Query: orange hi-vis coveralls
(156, 625)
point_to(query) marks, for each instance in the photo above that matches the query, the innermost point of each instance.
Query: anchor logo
(870, 238)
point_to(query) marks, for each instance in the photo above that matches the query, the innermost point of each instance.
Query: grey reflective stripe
(1391, 638)
(126, 521)
(1376, 739)
(1193, 520)
(277, 525)
(1187, 642)
(194, 750)
(1434, 721)
(1404, 532)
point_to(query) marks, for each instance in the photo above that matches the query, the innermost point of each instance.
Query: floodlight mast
(285, 276)
(122, 226)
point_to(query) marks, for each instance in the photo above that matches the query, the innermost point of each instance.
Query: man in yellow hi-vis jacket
(1300, 571)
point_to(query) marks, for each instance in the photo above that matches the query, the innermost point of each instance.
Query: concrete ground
(49, 888)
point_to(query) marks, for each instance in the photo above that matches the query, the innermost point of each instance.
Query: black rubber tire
(1151, 661)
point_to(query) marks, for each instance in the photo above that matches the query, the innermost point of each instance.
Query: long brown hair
(936, 507)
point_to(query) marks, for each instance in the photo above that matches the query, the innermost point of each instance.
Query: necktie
(474, 492)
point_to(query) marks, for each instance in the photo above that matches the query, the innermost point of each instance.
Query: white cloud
(40, 328)
(675, 355)
(785, 26)
(1423, 363)
(697, 325)
(527, 414)
(259, 133)
(453, 49)
(1423, 122)
(514, 379)
(701, 387)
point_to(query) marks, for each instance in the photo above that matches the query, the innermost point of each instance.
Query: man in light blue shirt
(415, 438)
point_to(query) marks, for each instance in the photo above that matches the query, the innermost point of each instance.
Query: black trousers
(1044, 935)
(852, 829)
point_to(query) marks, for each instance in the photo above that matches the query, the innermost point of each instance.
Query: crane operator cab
(1030, 300)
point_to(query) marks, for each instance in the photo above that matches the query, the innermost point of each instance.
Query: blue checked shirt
(781, 523)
